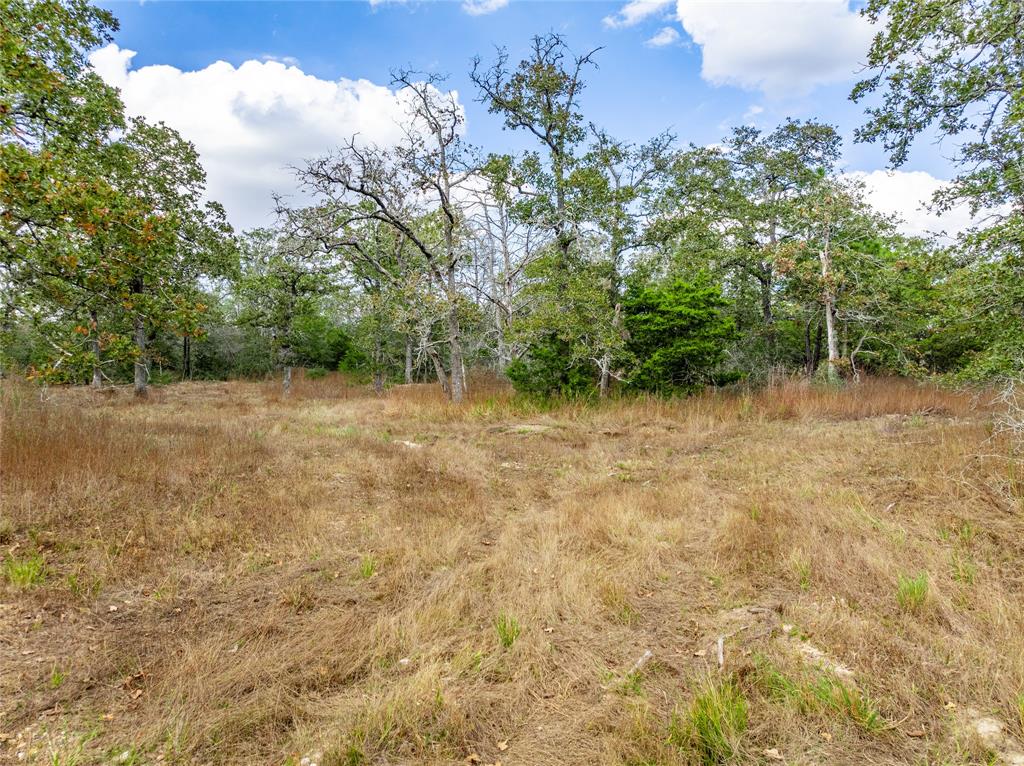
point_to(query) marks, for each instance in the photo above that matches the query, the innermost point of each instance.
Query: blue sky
(695, 67)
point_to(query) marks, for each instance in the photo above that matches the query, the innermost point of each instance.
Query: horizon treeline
(583, 265)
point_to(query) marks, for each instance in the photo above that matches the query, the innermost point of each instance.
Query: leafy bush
(547, 370)
(678, 335)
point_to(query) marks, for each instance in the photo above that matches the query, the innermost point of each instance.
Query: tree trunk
(186, 357)
(408, 360)
(97, 373)
(605, 384)
(828, 299)
(808, 370)
(287, 382)
(141, 368)
(766, 298)
(442, 376)
(818, 337)
(458, 383)
(378, 382)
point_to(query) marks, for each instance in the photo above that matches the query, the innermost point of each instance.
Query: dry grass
(226, 577)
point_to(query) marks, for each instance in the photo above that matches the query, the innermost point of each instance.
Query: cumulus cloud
(780, 47)
(906, 194)
(634, 12)
(253, 122)
(482, 7)
(664, 36)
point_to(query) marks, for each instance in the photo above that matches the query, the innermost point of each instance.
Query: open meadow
(223, 576)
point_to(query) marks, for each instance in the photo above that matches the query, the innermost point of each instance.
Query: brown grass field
(220, 576)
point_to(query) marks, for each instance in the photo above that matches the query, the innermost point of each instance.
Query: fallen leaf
(136, 694)
(503, 745)
(826, 736)
(916, 733)
(111, 608)
(473, 758)
(773, 754)
(700, 653)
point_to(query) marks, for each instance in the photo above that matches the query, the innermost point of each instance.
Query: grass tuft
(367, 566)
(911, 592)
(508, 629)
(712, 727)
(25, 572)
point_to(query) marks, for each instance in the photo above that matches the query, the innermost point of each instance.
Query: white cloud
(481, 7)
(665, 36)
(634, 12)
(472, 7)
(286, 60)
(251, 123)
(781, 47)
(906, 194)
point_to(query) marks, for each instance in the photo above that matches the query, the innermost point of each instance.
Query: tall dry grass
(390, 579)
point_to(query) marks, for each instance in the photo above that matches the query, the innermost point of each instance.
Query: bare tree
(413, 189)
(504, 245)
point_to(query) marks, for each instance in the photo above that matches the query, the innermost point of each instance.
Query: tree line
(583, 265)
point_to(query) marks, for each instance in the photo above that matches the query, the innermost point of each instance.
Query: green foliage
(545, 371)
(104, 233)
(818, 691)
(678, 334)
(955, 69)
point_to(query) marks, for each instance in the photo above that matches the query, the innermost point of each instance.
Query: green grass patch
(817, 692)
(911, 592)
(508, 629)
(367, 566)
(712, 727)
(25, 572)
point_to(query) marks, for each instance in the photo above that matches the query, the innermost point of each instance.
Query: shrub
(678, 335)
(547, 370)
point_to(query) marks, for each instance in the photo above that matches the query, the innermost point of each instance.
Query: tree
(504, 243)
(413, 189)
(94, 222)
(541, 96)
(282, 280)
(618, 180)
(956, 67)
(677, 335)
(55, 116)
